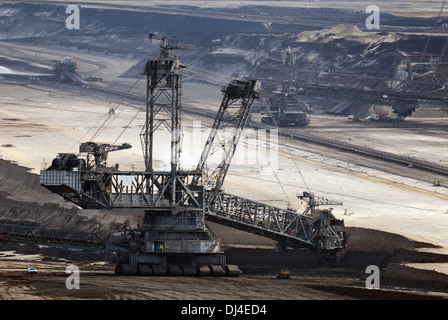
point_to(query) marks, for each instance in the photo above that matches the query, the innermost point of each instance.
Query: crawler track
(173, 269)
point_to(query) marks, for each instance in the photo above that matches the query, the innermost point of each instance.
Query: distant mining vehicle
(284, 274)
(65, 65)
(94, 79)
(386, 117)
(283, 109)
(65, 71)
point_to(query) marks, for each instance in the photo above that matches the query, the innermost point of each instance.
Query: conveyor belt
(53, 237)
(369, 152)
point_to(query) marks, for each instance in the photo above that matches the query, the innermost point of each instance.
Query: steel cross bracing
(109, 189)
(318, 229)
(53, 237)
(143, 190)
(232, 117)
(163, 107)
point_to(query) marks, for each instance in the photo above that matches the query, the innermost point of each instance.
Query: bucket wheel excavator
(173, 238)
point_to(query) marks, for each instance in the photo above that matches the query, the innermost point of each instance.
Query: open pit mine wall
(235, 46)
(24, 201)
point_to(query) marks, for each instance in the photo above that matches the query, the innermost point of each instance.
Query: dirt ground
(100, 282)
(397, 217)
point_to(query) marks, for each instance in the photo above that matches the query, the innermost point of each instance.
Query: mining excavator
(173, 237)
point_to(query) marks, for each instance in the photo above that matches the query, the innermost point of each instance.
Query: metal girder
(232, 116)
(146, 190)
(163, 107)
(108, 189)
(52, 237)
(318, 229)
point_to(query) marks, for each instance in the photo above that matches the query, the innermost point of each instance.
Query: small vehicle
(284, 274)
(31, 270)
(372, 117)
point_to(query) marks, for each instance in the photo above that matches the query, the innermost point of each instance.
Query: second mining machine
(173, 237)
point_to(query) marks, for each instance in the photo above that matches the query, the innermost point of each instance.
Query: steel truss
(110, 189)
(232, 116)
(318, 229)
(53, 237)
(163, 107)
